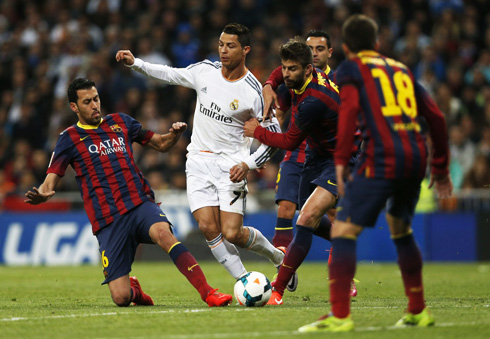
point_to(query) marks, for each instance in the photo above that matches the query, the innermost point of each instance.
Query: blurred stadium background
(44, 44)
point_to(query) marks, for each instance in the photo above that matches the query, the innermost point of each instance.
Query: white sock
(227, 255)
(259, 244)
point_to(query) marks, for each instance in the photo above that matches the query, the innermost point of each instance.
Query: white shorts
(209, 184)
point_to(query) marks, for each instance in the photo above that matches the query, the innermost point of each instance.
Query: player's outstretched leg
(139, 297)
(295, 254)
(259, 244)
(189, 267)
(227, 255)
(293, 282)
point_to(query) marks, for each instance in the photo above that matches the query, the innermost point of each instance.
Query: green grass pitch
(68, 302)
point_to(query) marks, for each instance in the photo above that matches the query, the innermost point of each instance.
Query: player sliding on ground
(118, 200)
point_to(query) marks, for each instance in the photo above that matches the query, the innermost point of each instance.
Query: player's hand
(442, 185)
(250, 126)
(125, 56)
(239, 172)
(342, 172)
(270, 100)
(178, 128)
(36, 197)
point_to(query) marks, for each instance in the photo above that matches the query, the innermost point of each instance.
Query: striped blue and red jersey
(284, 104)
(109, 180)
(381, 95)
(314, 108)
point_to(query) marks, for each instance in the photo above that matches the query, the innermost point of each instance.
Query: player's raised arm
(125, 56)
(165, 142)
(44, 192)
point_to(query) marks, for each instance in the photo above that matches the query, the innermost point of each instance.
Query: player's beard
(294, 83)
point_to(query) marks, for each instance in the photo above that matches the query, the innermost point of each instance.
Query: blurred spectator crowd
(44, 44)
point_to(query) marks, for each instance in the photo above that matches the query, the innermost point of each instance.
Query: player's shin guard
(410, 262)
(189, 267)
(227, 255)
(341, 272)
(295, 254)
(259, 244)
(283, 232)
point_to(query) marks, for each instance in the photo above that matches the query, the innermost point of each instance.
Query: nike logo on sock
(190, 268)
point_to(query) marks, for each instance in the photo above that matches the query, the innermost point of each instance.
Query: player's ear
(376, 45)
(74, 107)
(308, 70)
(246, 50)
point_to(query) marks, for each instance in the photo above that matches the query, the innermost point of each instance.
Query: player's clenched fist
(178, 128)
(125, 56)
(250, 126)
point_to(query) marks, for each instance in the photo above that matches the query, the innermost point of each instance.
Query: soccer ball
(253, 289)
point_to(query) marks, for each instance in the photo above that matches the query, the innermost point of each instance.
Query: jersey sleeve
(437, 129)
(264, 152)
(136, 132)
(276, 78)
(347, 126)
(347, 73)
(62, 155)
(289, 140)
(169, 75)
(283, 98)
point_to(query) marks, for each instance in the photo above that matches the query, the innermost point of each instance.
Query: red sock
(297, 251)
(283, 233)
(410, 263)
(330, 256)
(341, 271)
(189, 267)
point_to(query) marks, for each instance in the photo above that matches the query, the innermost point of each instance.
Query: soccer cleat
(353, 288)
(144, 299)
(217, 299)
(275, 299)
(293, 282)
(329, 323)
(423, 319)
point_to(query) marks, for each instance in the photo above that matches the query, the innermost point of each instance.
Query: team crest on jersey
(234, 105)
(116, 128)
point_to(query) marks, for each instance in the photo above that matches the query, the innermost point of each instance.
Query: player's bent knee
(161, 232)
(121, 298)
(233, 236)
(309, 218)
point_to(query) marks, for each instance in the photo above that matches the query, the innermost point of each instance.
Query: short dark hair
(359, 32)
(320, 34)
(239, 30)
(75, 85)
(296, 50)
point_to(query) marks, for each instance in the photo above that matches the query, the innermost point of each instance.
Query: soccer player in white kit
(219, 158)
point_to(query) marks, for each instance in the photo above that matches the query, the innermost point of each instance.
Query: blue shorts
(317, 171)
(288, 181)
(366, 197)
(118, 240)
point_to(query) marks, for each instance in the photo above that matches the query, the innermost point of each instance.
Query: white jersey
(222, 108)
